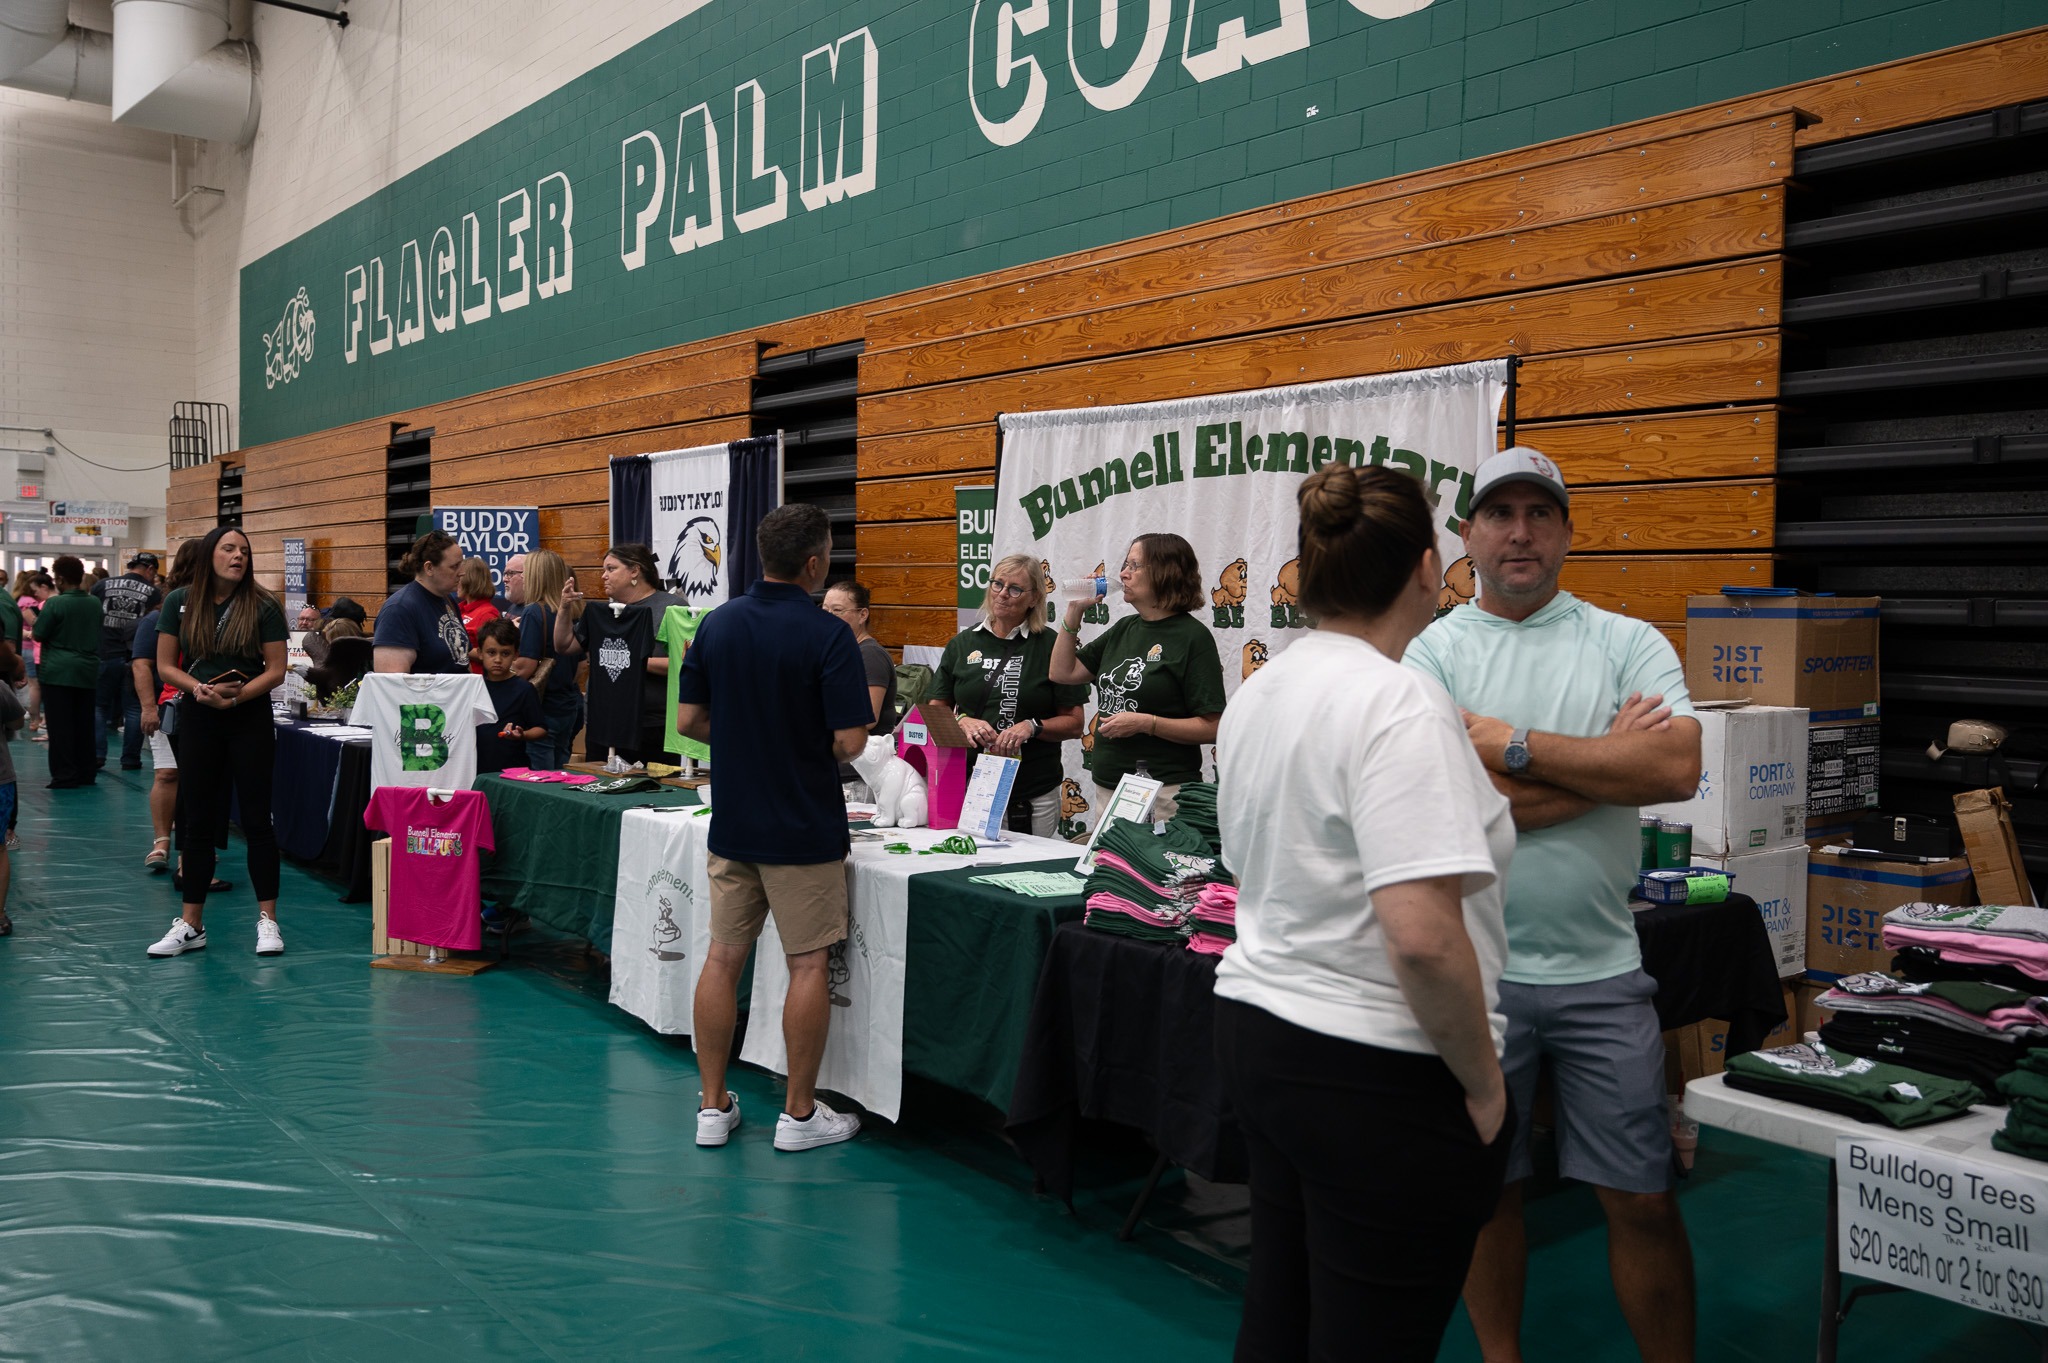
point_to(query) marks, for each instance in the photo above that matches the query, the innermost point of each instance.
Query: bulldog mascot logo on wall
(1286, 593)
(1228, 598)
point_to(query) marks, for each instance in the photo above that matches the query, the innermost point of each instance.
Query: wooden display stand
(395, 953)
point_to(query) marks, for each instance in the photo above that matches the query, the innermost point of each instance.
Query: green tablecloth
(558, 852)
(972, 960)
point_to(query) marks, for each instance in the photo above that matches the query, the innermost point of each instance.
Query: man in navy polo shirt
(777, 689)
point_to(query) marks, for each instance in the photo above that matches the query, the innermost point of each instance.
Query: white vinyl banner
(689, 490)
(662, 928)
(1075, 487)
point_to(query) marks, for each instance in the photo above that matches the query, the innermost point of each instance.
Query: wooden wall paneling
(952, 449)
(713, 364)
(906, 542)
(1739, 442)
(675, 407)
(909, 584)
(912, 499)
(1631, 242)
(1679, 303)
(320, 497)
(575, 458)
(1694, 516)
(1559, 153)
(1654, 586)
(1961, 80)
(1733, 368)
(900, 625)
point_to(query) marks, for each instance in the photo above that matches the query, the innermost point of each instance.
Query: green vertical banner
(975, 527)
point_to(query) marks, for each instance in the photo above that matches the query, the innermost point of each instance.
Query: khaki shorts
(809, 903)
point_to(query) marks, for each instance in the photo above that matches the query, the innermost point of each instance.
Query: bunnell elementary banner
(1076, 487)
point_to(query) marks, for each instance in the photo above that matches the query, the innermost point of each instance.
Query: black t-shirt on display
(518, 707)
(429, 625)
(653, 689)
(619, 643)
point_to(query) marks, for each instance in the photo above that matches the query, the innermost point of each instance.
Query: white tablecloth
(1711, 1102)
(661, 925)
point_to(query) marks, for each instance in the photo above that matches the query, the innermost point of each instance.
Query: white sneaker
(182, 937)
(714, 1126)
(822, 1127)
(269, 941)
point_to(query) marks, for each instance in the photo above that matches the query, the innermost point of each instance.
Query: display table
(1711, 1102)
(1121, 1030)
(558, 852)
(320, 788)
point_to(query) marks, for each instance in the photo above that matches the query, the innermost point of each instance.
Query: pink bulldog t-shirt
(436, 840)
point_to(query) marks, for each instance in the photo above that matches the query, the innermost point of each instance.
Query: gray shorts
(1607, 1069)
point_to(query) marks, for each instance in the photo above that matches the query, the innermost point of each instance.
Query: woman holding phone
(221, 643)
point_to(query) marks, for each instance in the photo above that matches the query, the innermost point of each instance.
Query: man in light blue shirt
(1581, 716)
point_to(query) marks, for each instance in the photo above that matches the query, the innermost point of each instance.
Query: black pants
(1369, 1186)
(225, 754)
(70, 711)
(119, 708)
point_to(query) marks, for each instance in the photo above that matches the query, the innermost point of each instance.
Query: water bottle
(1087, 591)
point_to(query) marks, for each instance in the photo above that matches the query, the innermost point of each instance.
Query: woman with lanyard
(1158, 678)
(221, 642)
(631, 578)
(1358, 1032)
(561, 704)
(849, 601)
(419, 629)
(996, 678)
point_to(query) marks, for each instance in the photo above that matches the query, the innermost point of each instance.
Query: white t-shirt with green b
(1565, 670)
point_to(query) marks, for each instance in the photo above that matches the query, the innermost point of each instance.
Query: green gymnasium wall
(756, 162)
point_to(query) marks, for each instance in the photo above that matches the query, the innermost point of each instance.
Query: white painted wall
(346, 112)
(96, 325)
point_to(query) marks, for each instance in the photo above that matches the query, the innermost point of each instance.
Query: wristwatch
(1036, 725)
(1517, 755)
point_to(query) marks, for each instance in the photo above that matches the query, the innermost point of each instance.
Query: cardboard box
(1776, 880)
(1819, 652)
(1843, 764)
(1702, 1049)
(1848, 897)
(1810, 1015)
(1993, 849)
(1752, 793)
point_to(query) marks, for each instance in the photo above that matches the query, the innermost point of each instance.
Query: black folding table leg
(1144, 1195)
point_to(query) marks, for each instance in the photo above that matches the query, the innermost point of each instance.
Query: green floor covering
(221, 1157)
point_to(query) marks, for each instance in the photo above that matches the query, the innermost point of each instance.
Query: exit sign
(28, 492)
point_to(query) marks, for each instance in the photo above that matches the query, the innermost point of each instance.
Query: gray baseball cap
(1520, 465)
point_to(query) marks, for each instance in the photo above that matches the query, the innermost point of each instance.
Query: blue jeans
(562, 720)
(119, 707)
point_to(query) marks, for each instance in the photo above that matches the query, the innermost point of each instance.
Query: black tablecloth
(303, 790)
(1122, 1030)
(1713, 961)
(346, 854)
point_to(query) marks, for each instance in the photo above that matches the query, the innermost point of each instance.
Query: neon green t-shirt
(1565, 670)
(678, 628)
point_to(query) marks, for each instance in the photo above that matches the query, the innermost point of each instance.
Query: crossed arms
(1645, 757)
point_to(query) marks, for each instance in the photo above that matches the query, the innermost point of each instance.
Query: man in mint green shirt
(1581, 716)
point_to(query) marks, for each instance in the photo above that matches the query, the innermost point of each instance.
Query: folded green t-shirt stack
(2026, 1121)
(1868, 1090)
(1197, 801)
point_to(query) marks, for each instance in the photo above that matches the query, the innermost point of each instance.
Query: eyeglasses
(515, 572)
(1007, 589)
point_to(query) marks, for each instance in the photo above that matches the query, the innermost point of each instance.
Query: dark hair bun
(1330, 500)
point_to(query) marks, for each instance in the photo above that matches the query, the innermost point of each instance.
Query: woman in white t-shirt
(1355, 1023)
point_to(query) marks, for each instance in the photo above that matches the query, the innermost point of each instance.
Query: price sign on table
(1955, 1228)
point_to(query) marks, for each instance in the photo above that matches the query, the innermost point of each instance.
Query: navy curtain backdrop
(754, 489)
(632, 500)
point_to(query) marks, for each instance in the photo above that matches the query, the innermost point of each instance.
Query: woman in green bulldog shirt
(1158, 678)
(995, 678)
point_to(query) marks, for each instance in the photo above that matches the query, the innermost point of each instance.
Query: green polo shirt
(270, 629)
(981, 675)
(1565, 670)
(10, 620)
(68, 628)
